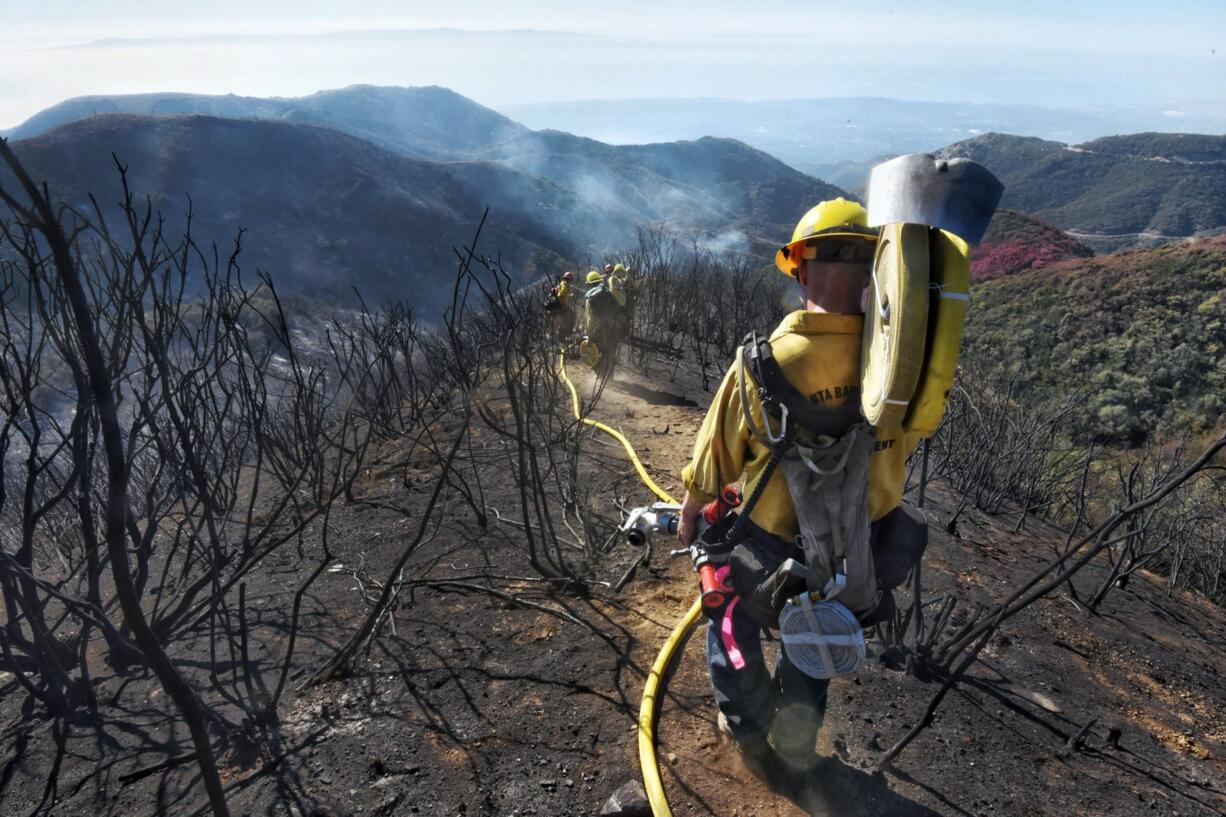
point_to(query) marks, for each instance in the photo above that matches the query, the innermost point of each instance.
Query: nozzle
(712, 589)
(645, 522)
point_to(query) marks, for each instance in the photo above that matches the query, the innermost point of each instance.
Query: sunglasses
(829, 250)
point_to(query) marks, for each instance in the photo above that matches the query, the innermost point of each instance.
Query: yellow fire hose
(653, 690)
(657, 679)
(615, 434)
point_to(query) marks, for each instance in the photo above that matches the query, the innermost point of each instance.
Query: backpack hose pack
(917, 304)
(929, 211)
(602, 302)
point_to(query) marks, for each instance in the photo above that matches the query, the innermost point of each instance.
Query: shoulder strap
(764, 434)
(782, 400)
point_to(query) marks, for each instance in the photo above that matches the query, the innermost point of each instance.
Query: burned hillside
(384, 575)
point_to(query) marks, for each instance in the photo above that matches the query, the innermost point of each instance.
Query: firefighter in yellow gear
(604, 317)
(561, 306)
(774, 718)
(565, 290)
(619, 282)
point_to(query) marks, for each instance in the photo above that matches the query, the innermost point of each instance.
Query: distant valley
(817, 135)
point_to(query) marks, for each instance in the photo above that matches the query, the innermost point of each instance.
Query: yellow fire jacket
(617, 286)
(820, 355)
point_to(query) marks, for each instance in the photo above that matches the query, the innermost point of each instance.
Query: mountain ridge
(381, 114)
(436, 123)
(806, 131)
(1105, 195)
(400, 212)
(326, 210)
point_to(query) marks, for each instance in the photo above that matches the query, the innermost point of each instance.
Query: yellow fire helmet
(833, 218)
(594, 277)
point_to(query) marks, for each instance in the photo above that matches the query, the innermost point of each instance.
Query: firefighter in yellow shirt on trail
(561, 306)
(604, 318)
(618, 276)
(773, 718)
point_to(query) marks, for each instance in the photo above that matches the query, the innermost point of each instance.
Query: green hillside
(1159, 184)
(1142, 334)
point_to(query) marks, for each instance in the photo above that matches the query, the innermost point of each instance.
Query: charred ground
(522, 701)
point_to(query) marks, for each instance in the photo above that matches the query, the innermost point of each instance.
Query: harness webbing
(784, 402)
(779, 396)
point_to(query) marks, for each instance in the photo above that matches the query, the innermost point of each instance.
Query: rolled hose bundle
(913, 326)
(928, 209)
(822, 639)
(895, 324)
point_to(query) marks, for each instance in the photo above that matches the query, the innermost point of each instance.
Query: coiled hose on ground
(657, 679)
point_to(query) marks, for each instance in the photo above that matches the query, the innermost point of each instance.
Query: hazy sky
(1051, 52)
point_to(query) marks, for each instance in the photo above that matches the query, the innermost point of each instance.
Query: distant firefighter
(620, 285)
(602, 322)
(561, 306)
